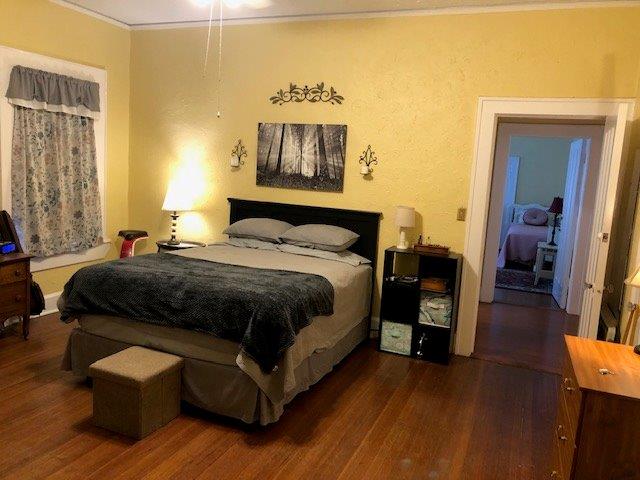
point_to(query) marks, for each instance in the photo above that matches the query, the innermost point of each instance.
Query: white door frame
(489, 112)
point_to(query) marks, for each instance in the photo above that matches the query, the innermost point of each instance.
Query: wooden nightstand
(165, 246)
(15, 288)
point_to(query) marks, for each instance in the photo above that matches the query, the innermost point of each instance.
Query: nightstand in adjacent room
(165, 246)
(545, 266)
(15, 288)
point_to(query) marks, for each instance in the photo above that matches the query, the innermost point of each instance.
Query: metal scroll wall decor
(367, 159)
(307, 94)
(237, 153)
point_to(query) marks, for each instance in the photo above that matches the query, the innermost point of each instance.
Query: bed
(520, 243)
(223, 376)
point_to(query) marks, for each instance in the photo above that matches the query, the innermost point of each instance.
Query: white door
(614, 131)
(571, 207)
(510, 190)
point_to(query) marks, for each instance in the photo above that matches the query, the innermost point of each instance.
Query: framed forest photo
(308, 157)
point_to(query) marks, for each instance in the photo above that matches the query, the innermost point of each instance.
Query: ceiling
(150, 12)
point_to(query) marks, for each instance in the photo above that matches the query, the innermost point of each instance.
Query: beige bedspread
(352, 289)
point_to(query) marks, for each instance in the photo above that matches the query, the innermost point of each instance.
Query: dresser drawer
(571, 393)
(13, 298)
(566, 438)
(14, 272)
(556, 464)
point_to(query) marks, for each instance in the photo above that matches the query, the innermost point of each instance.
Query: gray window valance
(40, 90)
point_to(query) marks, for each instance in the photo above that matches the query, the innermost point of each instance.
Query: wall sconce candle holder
(367, 159)
(237, 154)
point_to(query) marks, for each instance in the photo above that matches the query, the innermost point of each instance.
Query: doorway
(616, 114)
(542, 198)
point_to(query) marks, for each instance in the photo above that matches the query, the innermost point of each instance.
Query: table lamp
(177, 199)
(556, 209)
(405, 218)
(632, 281)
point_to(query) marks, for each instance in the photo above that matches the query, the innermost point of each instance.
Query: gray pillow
(321, 237)
(251, 243)
(265, 229)
(347, 257)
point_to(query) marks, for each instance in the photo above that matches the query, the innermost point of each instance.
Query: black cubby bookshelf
(401, 329)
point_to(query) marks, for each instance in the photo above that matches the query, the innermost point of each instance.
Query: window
(52, 157)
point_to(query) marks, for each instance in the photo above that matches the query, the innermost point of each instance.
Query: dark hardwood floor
(525, 299)
(523, 336)
(377, 416)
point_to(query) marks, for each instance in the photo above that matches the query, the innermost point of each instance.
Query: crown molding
(525, 7)
(72, 6)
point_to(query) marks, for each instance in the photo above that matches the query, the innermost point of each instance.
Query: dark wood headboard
(365, 224)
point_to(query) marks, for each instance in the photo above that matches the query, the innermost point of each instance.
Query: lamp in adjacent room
(556, 209)
(405, 218)
(178, 199)
(632, 281)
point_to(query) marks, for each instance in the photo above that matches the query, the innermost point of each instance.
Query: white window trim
(10, 57)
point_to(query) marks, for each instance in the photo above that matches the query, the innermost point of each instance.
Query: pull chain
(206, 55)
(220, 64)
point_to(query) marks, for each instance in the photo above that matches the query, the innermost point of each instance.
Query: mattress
(352, 293)
(521, 243)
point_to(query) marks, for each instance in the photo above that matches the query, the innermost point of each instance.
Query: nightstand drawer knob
(18, 298)
(17, 273)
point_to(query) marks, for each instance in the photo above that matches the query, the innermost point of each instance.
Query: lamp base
(174, 226)
(402, 241)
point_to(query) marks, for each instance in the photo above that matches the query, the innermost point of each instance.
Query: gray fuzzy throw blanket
(261, 309)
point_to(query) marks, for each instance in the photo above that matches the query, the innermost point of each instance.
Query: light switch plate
(462, 214)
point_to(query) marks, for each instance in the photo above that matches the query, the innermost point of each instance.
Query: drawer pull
(17, 273)
(18, 298)
(567, 385)
(555, 474)
(561, 437)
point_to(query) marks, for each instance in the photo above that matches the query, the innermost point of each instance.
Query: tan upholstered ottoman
(136, 391)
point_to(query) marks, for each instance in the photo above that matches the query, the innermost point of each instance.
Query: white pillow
(345, 256)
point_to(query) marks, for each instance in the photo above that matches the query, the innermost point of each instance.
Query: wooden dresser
(15, 288)
(597, 434)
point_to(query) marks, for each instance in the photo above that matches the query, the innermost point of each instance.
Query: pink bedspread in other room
(521, 243)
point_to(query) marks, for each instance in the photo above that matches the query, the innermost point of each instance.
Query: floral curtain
(54, 182)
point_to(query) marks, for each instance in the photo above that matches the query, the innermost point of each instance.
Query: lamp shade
(179, 197)
(634, 279)
(556, 205)
(405, 217)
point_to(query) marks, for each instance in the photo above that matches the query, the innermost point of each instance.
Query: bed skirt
(221, 389)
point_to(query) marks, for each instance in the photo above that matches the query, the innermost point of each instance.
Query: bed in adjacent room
(529, 226)
(308, 311)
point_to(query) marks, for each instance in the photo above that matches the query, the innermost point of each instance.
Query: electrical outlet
(462, 214)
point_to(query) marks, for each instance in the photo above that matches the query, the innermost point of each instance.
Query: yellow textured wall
(45, 28)
(411, 86)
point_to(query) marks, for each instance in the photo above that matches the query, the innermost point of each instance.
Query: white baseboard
(50, 303)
